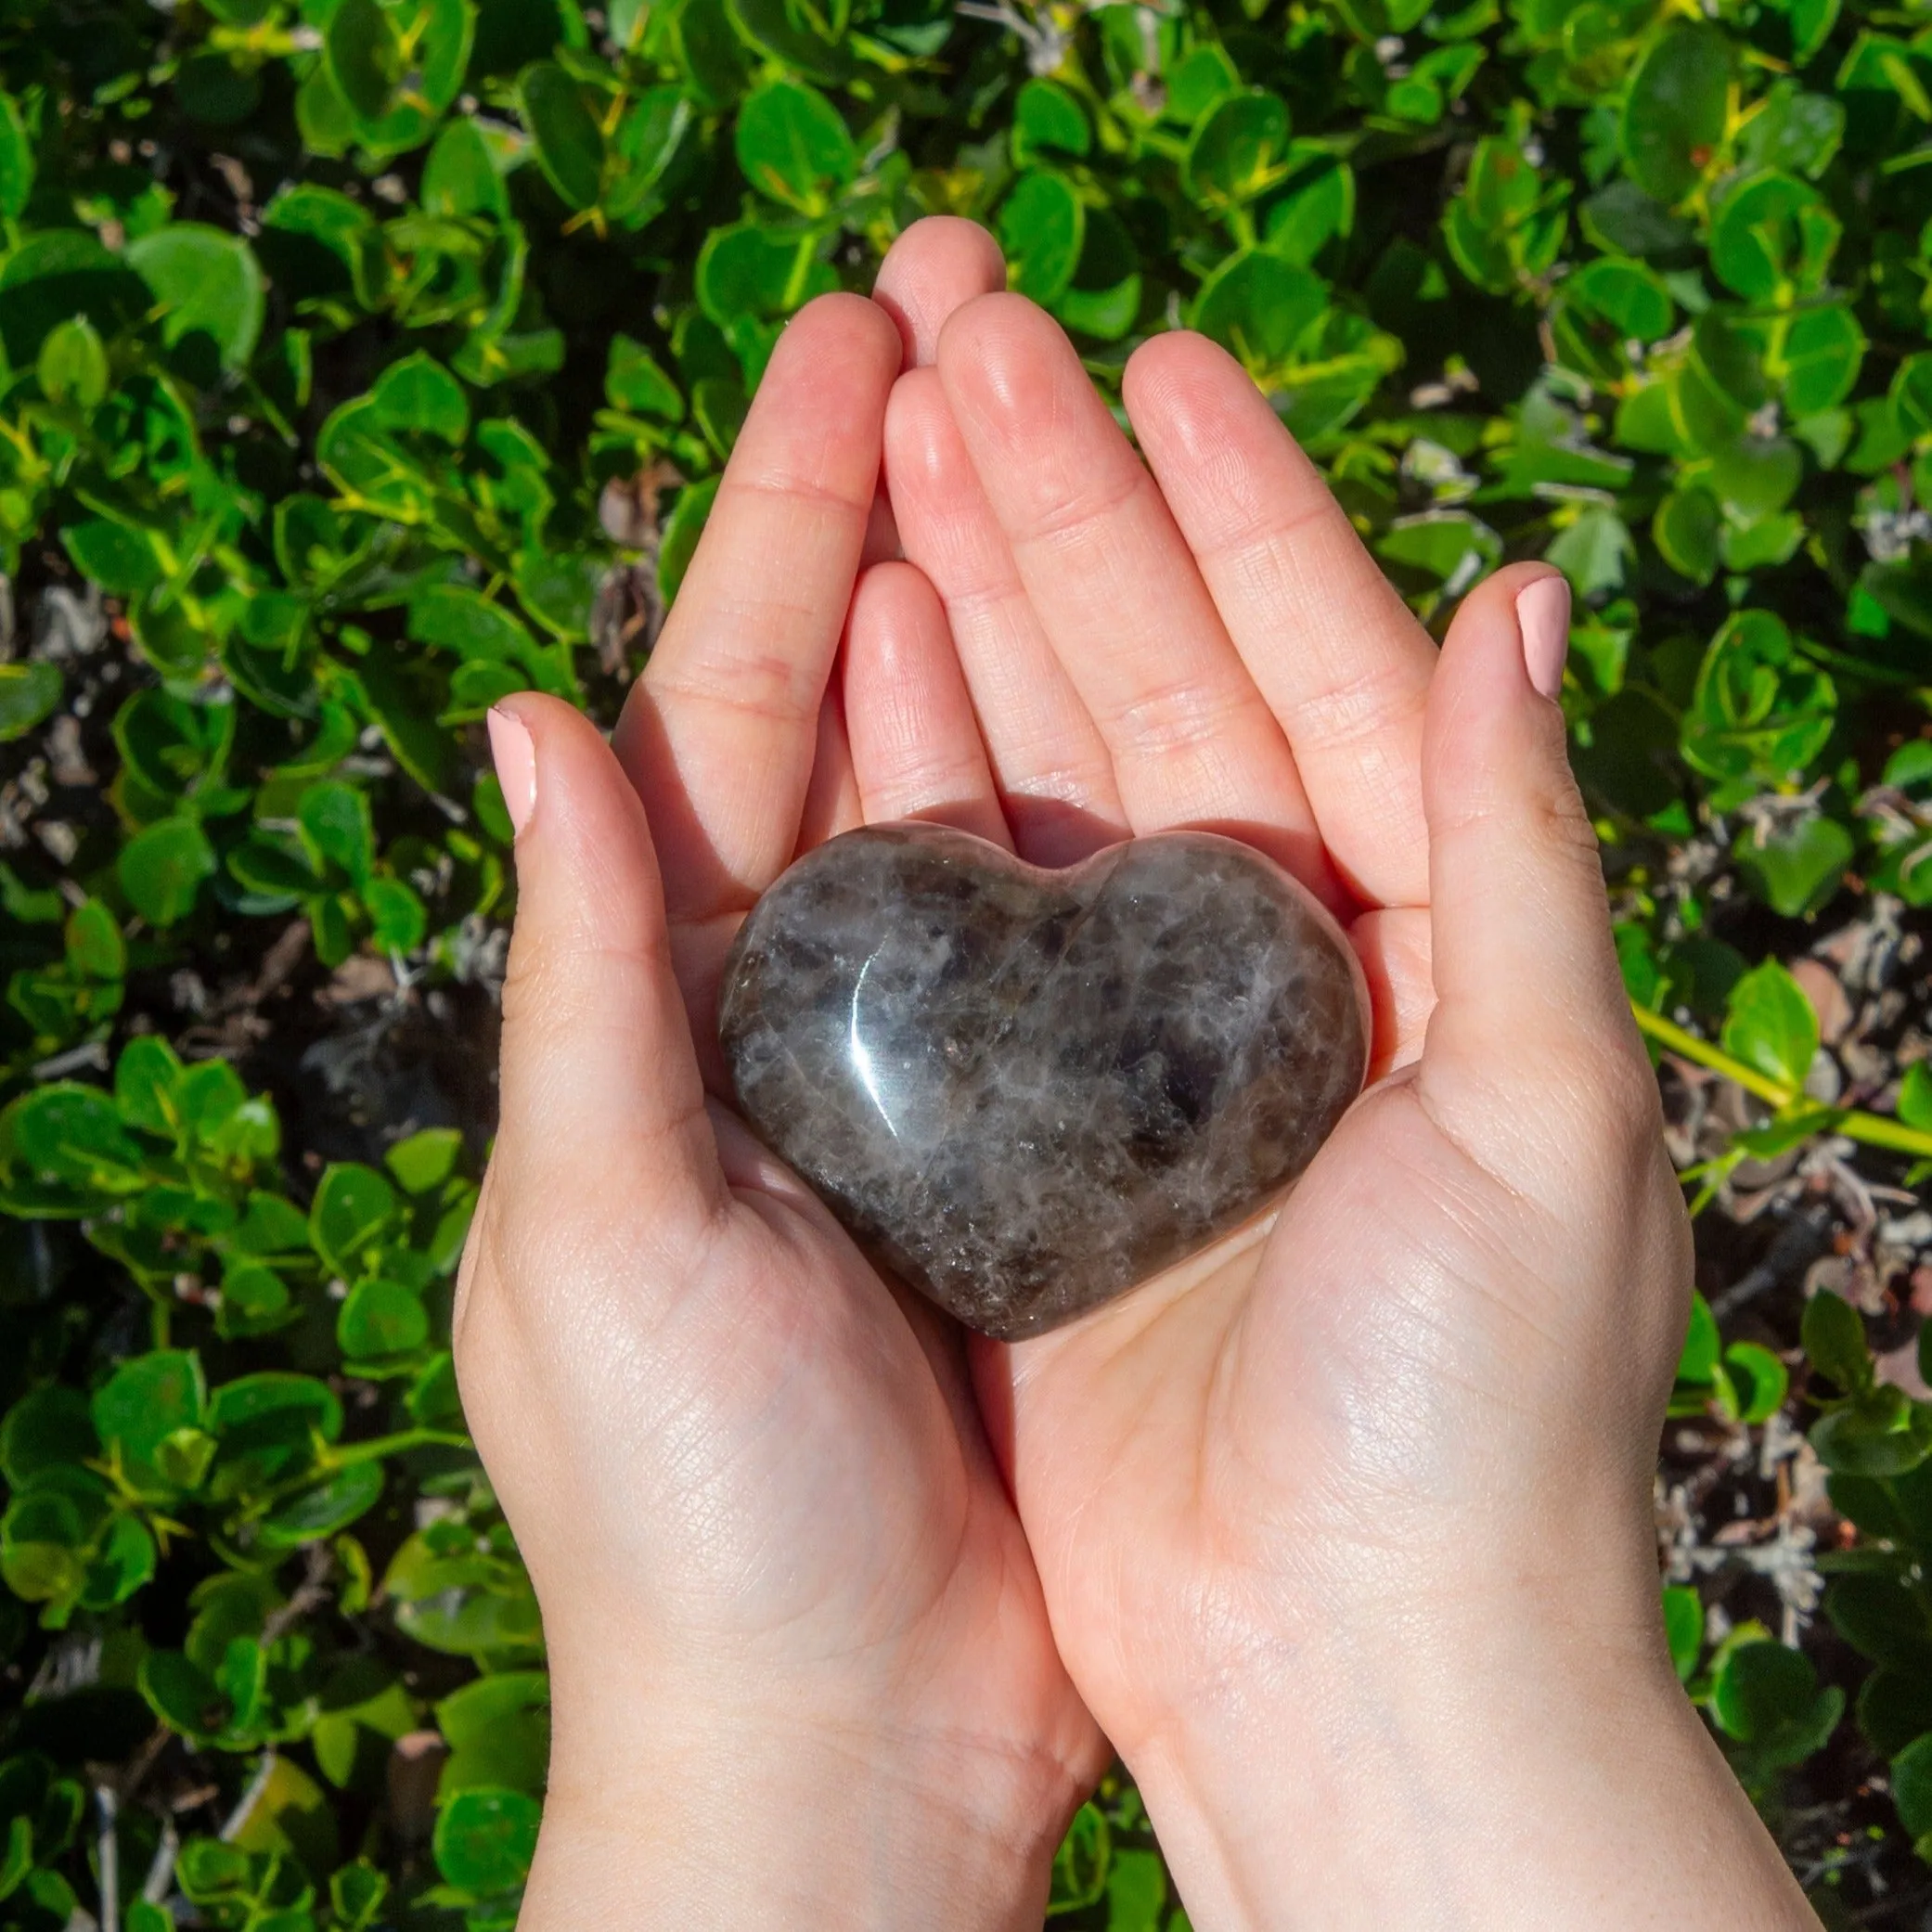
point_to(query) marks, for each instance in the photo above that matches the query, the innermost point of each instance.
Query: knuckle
(1614, 1095)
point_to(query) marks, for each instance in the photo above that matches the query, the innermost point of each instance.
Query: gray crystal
(1025, 1091)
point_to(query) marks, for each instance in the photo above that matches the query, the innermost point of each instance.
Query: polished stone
(1026, 1090)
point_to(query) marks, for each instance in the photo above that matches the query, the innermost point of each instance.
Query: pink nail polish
(1543, 618)
(516, 766)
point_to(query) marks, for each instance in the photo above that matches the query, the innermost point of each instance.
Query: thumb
(601, 1088)
(1530, 1003)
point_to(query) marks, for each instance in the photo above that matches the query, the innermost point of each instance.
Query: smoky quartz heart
(1026, 1090)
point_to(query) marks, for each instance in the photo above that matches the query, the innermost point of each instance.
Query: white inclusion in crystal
(862, 1055)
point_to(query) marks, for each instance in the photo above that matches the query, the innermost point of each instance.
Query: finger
(1337, 654)
(1529, 1000)
(1117, 594)
(916, 750)
(933, 267)
(600, 1087)
(720, 734)
(1050, 762)
(831, 801)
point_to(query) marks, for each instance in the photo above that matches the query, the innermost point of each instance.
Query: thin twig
(1874, 1129)
(108, 1848)
(160, 1867)
(249, 1799)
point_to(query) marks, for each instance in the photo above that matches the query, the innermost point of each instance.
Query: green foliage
(332, 332)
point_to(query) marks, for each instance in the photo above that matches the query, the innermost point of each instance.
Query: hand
(800, 1669)
(1344, 1526)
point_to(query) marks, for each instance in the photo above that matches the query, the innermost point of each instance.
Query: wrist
(742, 1816)
(1508, 1776)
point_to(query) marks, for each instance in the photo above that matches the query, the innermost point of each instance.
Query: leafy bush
(364, 360)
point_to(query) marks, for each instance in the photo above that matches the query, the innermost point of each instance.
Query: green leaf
(485, 1840)
(205, 282)
(499, 1730)
(274, 1408)
(1771, 1026)
(1257, 306)
(381, 1318)
(635, 382)
(1796, 866)
(335, 821)
(1835, 1340)
(424, 1161)
(1915, 1103)
(28, 694)
(1136, 1890)
(464, 621)
(1878, 1434)
(1080, 1865)
(1882, 1617)
(145, 1400)
(1815, 358)
(1762, 1381)
(47, 1427)
(16, 1860)
(650, 143)
(797, 37)
(1683, 1629)
(1771, 232)
(1629, 296)
(1237, 152)
(15, 160)
(1674, 111)
(570, 144)
(1316, 206)
(1698, 1361)
(1756, 474)
(1450, 544)
(1766, 1694)
(355, 1896)
(398, 919)
(1047, 119)
(255, 1301)
(1042, 227)
(323, 1509)
(185, 1698)
(461, 176)
(418, 393)
(117, 557)
(1760, 709)
(73, 366)
(1911, 1785)
(682, 530)
(1685, 531)
(64, 1132)
(793, 144)
(352, 1209)
(362, 56)
(1594, 552)
(162, 867)
(747, 270)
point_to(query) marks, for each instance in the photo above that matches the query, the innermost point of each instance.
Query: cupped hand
(1344, 1526)
(801, 1667)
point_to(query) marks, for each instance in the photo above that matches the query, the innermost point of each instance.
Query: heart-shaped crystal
(1026, 1090)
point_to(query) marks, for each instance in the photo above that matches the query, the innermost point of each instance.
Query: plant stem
(378, 1447)
(1874, 1129)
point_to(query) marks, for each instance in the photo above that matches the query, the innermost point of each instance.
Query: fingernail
(1544, 617)
(516, 766)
